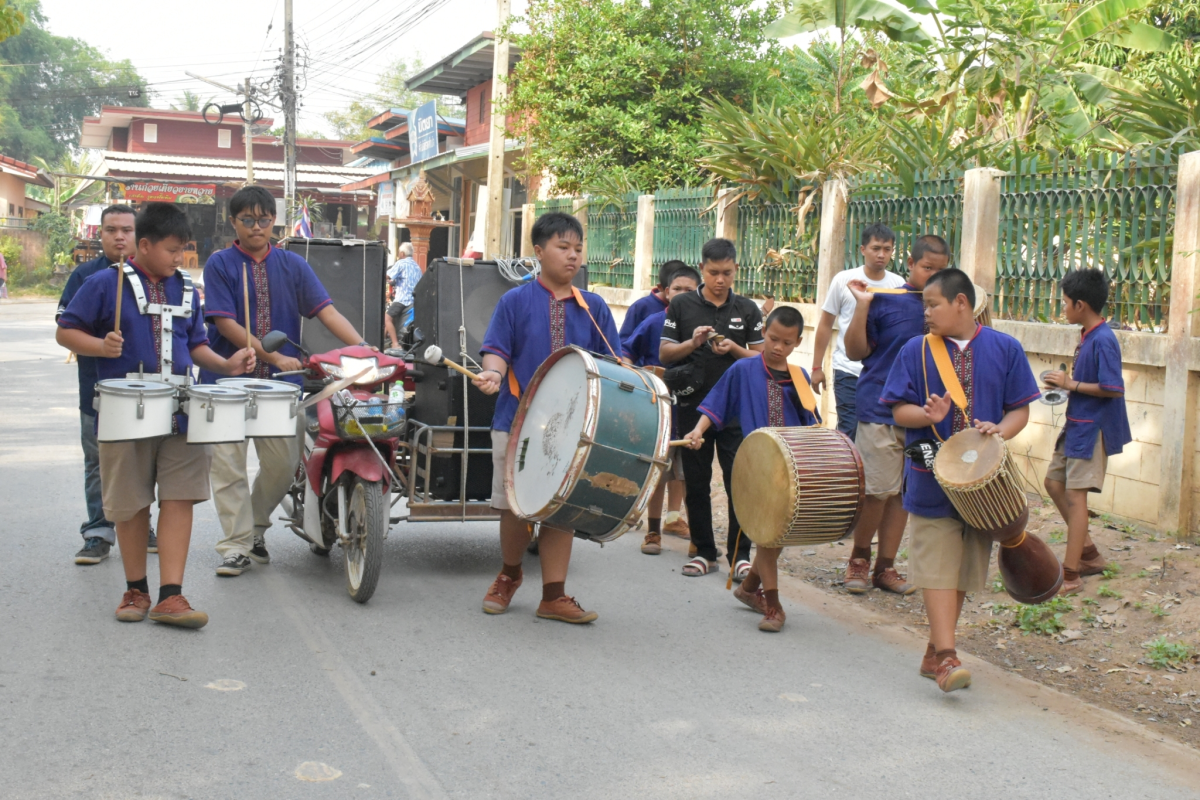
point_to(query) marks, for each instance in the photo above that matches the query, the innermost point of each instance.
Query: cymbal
(332, 389)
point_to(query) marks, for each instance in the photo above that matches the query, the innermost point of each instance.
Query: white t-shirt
(840, 302)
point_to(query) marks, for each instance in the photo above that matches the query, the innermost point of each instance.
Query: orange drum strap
(513, 386)
(803, 388)
(583, 304)
(941, 360)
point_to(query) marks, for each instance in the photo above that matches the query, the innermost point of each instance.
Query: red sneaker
(135, 604)
(773, 619)
(652, 545)
(858, 576)
(565, 609)
(756, 600)
(892, 581)
(500, 594)
(952, 675)
(678, 528)
(929, 665)
(176, 610)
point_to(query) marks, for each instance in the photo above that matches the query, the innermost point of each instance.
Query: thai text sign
(422, 132)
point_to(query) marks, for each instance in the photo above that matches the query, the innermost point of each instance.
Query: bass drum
(588, 445)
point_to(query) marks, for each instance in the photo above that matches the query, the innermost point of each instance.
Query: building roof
(222, 169)
(97, 131)
(394, 143)
(26, 172)
(465, 68)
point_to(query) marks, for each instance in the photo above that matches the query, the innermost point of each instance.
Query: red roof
(26, 172)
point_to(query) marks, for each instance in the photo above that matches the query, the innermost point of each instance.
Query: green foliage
(998, 583)
(11, 20)
(53, 83)
(59, 230)
(1161, 653)
(190, 101)
(1159, 611)
(1087, 617)
(390, 92)
(611, 85)
(806, 16)
(1107, 591)
(11, 249)
(1043, 618)
(1057, 537)
(1091, 601)
(1166, 111)
(1111, 570)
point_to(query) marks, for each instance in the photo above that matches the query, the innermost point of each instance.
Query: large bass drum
(797, 486)
(588, 445)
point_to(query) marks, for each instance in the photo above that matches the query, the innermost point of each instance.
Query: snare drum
(133, 409)
(978, 475)
(271, 411)
(216, 414)
(797, 486)
(588, 445)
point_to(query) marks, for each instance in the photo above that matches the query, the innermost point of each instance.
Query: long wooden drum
(797, 486)
(978, 475)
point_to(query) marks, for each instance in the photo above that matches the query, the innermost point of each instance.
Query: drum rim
(147, 388)
(273, 388)
(217, 394)
(946, 482)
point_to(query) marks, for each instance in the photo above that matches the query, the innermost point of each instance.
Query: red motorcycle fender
(360, 461)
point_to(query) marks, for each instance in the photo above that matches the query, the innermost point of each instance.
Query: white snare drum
(216, 414)
(272, 408)
(133, 409)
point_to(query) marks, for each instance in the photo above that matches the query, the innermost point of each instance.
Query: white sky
(350, 42)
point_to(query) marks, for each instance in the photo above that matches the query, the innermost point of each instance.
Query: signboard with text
(422, 133)
(190, 193)
(386, 202)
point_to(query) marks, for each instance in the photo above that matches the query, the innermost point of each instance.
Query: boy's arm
(1058, 379)
(339, 326)
(492, 375)
(820, 344)
(695, 437)
(911, 415)
(858, 346)
(1013, 423)
(84, 344)
(240, 363)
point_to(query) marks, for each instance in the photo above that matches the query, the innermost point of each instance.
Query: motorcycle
(354, 426)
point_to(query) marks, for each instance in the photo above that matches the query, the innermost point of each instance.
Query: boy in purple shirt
(881, 324)
(947, 557)
(529, 323)
(1097, 424)
(653, 303)
(758, 393)
(132, 471)
(641, 350)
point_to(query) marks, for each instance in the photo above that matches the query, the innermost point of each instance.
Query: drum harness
(926, 450)
(167, 314)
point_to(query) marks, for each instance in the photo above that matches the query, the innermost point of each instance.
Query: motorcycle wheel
(366, 524)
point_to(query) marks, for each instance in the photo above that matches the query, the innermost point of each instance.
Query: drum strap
(513, 386)
(583, 304)
(167, 313)
(803, 389)
(945, 368)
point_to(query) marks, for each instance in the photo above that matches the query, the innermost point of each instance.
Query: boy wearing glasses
(282, 288)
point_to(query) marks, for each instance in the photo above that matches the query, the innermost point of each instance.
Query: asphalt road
(672, 693)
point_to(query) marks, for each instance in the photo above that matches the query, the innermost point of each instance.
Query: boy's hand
(858, 288)
(487, 381)
(936, 408)
(242, 362)
(700, 336)
(112, 345)
(694, 438)
(722, 346)
(1056, 379)
(987, 428)
(286, 363)
(817, 379)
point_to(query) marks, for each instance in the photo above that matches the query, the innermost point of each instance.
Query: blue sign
(422, 133)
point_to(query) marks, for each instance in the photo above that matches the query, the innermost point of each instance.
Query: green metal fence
(1114, 213)
(611, 232)
(777, 254)
(684, 219)
(563, 204)
(934, 207)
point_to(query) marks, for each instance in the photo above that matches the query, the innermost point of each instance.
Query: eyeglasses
(261, 222)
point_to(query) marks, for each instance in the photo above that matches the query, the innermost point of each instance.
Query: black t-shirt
(738, 319)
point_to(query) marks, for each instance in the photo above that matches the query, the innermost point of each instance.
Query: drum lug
(141, 406)
(626, 386)
(252, 409)
(597, 510)
(212, 411)
(295, 409)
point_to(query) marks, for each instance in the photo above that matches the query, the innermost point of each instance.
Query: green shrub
(1044, 618)
(1161, 653)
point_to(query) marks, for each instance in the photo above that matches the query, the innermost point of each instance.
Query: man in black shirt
(735, 326)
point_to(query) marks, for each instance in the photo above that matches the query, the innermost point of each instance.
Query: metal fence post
(1180, 389)
(980, 226)
(643, 247)
(579, 210)
(528, 217)
(727, 215)
(831, 259)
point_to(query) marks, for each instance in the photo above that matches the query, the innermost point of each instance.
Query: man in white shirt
(877, 246)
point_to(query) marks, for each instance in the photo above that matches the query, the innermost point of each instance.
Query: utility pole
(495, 173)
(288, 96)
(248, 115)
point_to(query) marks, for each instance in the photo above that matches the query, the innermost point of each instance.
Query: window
(150, 133)
(223, 137)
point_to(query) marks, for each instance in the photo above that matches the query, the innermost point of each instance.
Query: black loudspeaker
(439, 301)
(354, 273)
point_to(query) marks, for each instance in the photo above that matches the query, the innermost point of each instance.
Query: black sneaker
(234, 565)
(259, 551)
(94, 551)
(152, 544)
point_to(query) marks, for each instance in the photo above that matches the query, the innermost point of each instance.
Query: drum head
(217, 394)
(549, 435)
(764, 488)
(260, 386)
(968, 457)
(134, 387)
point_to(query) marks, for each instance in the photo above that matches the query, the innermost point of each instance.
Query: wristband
(364, 343)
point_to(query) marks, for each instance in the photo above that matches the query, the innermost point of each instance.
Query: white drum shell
(133, 409)
(216, 415)
(271, 411)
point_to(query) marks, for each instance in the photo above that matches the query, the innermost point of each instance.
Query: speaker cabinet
(354, 273)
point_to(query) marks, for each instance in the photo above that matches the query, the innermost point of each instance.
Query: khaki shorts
(499, 464)
(129, 472)
(1078, 473)
(945, 553)
(882, 449)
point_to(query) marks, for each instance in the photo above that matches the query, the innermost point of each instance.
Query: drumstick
(882, 290)
(447, 362)
(246, 300)
(680, 442)
(120, 293)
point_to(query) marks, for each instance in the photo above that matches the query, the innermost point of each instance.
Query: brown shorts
(499, 463)
(945, 553)
(882, 449)
(1078, 473)
(129, 471)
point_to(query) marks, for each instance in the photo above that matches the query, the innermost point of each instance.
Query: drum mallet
(433, 355)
